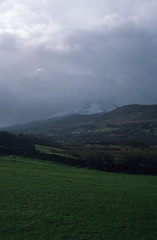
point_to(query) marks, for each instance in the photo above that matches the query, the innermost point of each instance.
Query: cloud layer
(56, 55)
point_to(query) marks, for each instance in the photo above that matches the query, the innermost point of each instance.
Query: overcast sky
(58, 54)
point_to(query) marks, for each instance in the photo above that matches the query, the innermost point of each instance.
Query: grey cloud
(8, 42)
(47, 69)
(123, 59)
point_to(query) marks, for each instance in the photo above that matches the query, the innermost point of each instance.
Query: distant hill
(132, 113)
(130, 123)
(127, 123)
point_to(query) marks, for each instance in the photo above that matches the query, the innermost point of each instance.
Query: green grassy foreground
(46, 201)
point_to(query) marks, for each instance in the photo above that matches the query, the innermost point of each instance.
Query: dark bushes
(135, 162)
(12, 141)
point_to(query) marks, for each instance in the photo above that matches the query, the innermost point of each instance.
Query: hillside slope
(132, 113)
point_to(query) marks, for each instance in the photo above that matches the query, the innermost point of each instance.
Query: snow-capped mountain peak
(88, 109)
(95, 108)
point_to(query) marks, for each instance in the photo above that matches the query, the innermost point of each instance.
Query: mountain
(88, 109)
(95, 123)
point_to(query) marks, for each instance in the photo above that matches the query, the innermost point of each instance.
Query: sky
(56, 55)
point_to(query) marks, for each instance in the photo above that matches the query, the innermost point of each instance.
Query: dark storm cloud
(123, 63)
(55, 56)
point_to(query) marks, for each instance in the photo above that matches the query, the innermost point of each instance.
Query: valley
(121, 140)
(78, 120)
(81, 176)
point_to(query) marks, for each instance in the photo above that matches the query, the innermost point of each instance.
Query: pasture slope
(48, 201)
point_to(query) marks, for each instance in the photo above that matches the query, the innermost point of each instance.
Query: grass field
(53, 150)
(46, 201)
(47, 149)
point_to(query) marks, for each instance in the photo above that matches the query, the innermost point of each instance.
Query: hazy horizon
(58, 55)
